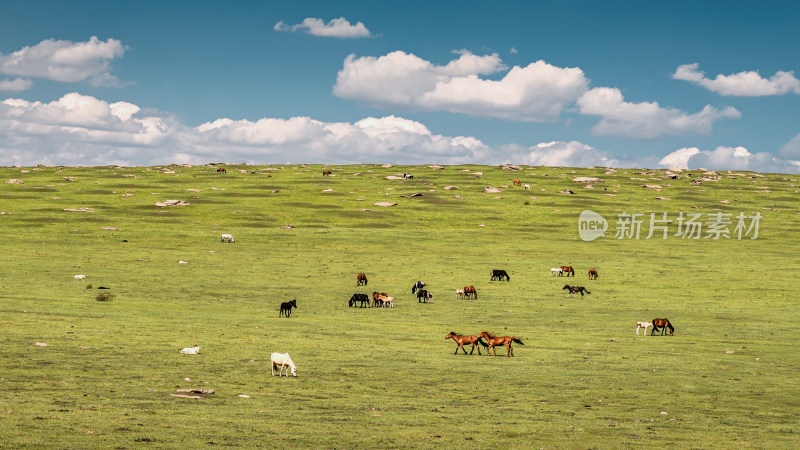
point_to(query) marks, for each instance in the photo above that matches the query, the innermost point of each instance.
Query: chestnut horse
(568, 270)
(592, 274)
(663, 324)
(361, 279)
(470, 291)
(494, 341)
(461, 340)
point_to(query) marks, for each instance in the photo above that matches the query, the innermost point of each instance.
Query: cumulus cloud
(646, 120)
(65, 61)
(791, 149)
(337, 28)
(571, 154)
(729, 158)
(538, 92)
(746, 84)
(17, 84)
(79, 129)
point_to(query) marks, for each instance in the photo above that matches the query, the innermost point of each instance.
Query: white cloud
(79, 129)
(679, 159)
(65, 61)
(646, 120)
(337, 28)
(791, 149)
(17, 84)
(746, 84)
(571, 154)
(729, 158)
(538, 92)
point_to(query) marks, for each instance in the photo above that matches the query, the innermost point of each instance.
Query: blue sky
(623, 84)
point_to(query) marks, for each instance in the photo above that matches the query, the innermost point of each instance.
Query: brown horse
(517, 182)
(222, 170)
(663, 324)
(326, 173)
(592, 274)
(361, 279)
(377, 298)
(461, 340)
(470, 291)
(493, 341)
(573, 289)
(567, 270)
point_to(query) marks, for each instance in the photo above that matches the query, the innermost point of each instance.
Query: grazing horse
(286, 308)
(386, 300)
(516, 182)
(470, 291)
(423, 296)
(644, 325)
(282, 361)
(222, 170)
(363, 298)
(527, 187)
(568, 270)
(326, 173)
(459, 293)
(377, 298)
(361, 279)
(556, 271)
(417, 285)
(663, 324)
(573, 289)
(227, 237)
(494, 341)
(498, 274)
(408, 176)
(461, 340)
(592, 274)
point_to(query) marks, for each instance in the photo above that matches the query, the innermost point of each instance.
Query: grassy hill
(376, 377)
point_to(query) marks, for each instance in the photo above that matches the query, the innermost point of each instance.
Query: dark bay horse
(286, 308)
(461, 340)
(663, 324)
(362, 298)
(592, 274)
(494, 341)
(573, 289)
(499, 274)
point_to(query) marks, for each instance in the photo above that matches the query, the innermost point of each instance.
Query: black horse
(423, 296)
(362, 298)
(417, 285)
(286, 308)
(574, 289)
(498, 274)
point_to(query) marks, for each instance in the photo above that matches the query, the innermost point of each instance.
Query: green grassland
(387, 377)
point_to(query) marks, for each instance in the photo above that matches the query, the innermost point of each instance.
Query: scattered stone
(394, 177)
(478, 174)
(172, 203)
(661, 198)
(510, 167)
(196, 391)
(244, 396)
(109, 229)
(183, 262)
(588, 180)
(88, 210)
(287, 226)
(14, 181)
(186, 396)
(652, 186)
(40, 344)
(492, 190)
(450, 188)
(79, 277)
(385, 204)
(435, 167)
(567, 191)
(327, 190)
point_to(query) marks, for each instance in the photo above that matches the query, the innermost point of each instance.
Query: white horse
(527, 187)
(283, 360)
(227, 237)
(191, 350)
(555, 271)
(388, 300)
(459, 293)
(644, 325)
